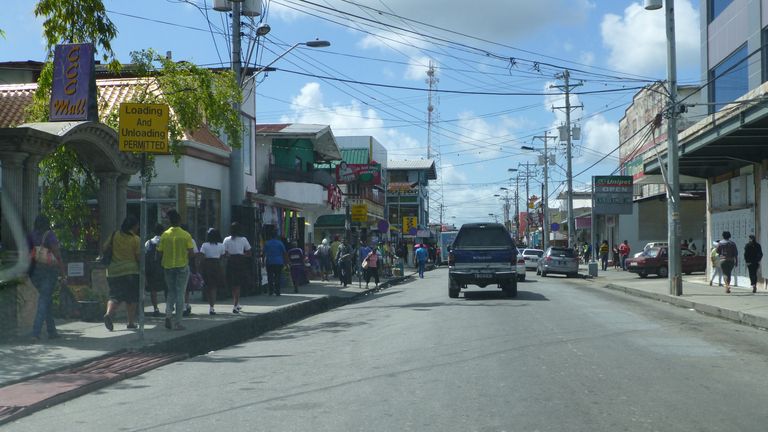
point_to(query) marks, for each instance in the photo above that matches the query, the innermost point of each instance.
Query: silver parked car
(558, 260)
(531, 257)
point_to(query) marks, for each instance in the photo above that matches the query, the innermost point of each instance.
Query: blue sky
(496, 62)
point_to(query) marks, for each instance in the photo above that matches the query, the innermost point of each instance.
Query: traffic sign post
(143, 128)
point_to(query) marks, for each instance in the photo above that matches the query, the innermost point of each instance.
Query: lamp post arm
(276, 59)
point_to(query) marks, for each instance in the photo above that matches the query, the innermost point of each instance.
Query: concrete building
(727, 147)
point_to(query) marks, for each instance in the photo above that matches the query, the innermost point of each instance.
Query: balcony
(277, 174)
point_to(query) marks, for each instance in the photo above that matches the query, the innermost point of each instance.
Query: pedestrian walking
(624, 250)
(237, 249)
(212, 269)
(153, 269)
(194, 281)
(604, 249)
(344, 263)
(753, 253)
(587, 252)
(334, 251)
(123, 272)
(46, 267)
(371, 269)
(323, 254)
(728, 255)
(176, 248)
(716, 271)
(615, 257)
(421, 259)
(275, 258)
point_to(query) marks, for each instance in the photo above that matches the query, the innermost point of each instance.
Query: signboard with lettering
(143, 128)
(409, 222)
(362, 173)
(73, 90)
(612, 195)
(359, 213)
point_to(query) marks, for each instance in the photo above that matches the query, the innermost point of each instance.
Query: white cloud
(637, 40)
(600, 135)
(351, 119)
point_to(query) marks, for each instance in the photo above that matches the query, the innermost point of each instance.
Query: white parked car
(531, 257)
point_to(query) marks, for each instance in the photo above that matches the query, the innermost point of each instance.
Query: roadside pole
(143, 128)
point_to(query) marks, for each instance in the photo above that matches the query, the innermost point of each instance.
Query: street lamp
(673, 169)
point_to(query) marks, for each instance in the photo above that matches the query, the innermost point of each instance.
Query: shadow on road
(521, 295)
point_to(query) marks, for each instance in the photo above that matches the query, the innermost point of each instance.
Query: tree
(197, 96)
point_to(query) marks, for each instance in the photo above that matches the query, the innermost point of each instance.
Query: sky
(498, 67)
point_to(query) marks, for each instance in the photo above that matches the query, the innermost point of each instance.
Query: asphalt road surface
(562, 356)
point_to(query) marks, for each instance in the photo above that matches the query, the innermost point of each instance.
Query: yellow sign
(409, 222)
(143, 128)
(359, 213)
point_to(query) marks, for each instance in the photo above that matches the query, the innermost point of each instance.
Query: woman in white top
(237, 249)
(213, 274)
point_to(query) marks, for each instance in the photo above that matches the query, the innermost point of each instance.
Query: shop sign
(409, 222)
(334, 196)
(360, 173)
(359, 213)
(612, 195)
(73, 91)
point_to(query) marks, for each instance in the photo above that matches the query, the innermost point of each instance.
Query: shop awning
(330, 221)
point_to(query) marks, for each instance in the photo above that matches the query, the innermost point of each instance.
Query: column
(13, 187)
(107, 204)
(121, 208)
(31, 193)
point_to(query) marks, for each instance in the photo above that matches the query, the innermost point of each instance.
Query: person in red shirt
(624, 253)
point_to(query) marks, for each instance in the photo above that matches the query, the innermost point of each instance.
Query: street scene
(383, 215)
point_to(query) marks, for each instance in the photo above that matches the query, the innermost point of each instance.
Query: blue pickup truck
(482, 254)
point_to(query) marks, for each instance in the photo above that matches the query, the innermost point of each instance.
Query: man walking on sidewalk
(624, 253)
(177, 248)
(753, 253)
(729, 257)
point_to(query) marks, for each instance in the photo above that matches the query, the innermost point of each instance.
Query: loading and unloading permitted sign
(143, 127)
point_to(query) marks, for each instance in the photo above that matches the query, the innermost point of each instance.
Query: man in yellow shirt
(176, 248)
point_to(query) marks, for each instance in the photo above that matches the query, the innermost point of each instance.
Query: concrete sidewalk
(37, 374)
(741, 305)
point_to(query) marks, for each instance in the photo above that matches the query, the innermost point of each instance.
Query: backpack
(152, 263)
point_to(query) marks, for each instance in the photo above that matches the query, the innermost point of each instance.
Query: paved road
(562, 356)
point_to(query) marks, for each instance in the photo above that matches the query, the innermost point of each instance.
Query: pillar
(121, 208)
(107, 204)
(31, 193)
(13, 186)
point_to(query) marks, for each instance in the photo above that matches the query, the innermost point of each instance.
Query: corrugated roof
(354, 155)
(14, 98)
(414, 165)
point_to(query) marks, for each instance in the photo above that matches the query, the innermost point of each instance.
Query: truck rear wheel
(510, 288)
(453, 288)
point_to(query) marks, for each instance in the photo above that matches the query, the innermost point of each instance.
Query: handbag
(41, 254)
(106, 256)
(365, 263)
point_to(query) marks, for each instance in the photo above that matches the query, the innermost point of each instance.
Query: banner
(358, 173)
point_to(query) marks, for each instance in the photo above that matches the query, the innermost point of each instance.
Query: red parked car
(656, 261)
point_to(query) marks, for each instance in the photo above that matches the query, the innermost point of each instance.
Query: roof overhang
(321, 136)
(735, 136)
(649, 179)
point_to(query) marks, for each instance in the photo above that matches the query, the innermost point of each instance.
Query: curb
(714, 311)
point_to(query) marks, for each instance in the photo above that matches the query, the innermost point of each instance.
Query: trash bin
(592, 266)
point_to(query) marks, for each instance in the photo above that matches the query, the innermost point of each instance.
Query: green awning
(331, 220)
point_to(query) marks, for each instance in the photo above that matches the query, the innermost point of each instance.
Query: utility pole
(545, 192)
(565, 76)
(237, 192)
(528, 173)
(517, 207)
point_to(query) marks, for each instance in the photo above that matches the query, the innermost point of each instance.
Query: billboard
(358, 173)
(612, 195)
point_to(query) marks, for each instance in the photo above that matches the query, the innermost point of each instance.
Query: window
(729, 80)
(202, 210)
(716, 7)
